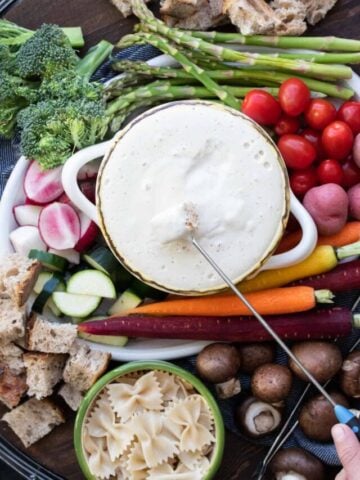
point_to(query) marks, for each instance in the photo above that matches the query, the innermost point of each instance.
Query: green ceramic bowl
(93, 393)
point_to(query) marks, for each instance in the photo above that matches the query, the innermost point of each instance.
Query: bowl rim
(130, 367)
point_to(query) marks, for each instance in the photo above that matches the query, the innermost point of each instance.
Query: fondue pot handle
(69, 177)
(307, 243)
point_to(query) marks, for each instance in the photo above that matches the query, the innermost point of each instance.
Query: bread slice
(33, 420)
(12, 386)
(43, 372)
(18, 275)
(49, 337)
(12, 321)
(72, 396)
(12, 355)
(84, 366)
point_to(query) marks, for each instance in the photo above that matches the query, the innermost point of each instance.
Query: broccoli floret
(15, 94)
(47, 52)
(53, 129)
(70, 85)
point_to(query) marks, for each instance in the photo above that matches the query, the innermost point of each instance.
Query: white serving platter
(136, 349)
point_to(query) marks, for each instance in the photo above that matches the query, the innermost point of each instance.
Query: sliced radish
(27, 214)
(70, 254)
(88, 233)
(59, 226)
(65, 199)
(90, 170)
(25, 239)
(42, 186)
(88, 188)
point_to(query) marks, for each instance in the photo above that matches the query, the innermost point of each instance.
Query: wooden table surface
(101, 20)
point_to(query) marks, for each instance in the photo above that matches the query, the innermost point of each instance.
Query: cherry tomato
(302, 180)
(351, 173)
(314, 137)
(294, 96)
(297, 152)
(330, 171)
(349, 113)
(286, 125)
(320, 113)
(261, 107)
(337, 139)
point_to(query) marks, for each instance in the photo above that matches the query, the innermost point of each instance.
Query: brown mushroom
(322, 359)
(317, 416)
(350, 375)
(256, 418)
(296, 464)
(219, 363)
(253, 355)
(271, 382)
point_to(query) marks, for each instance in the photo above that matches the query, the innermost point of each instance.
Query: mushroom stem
(228, 389)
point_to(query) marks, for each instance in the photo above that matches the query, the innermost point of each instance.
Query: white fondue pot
(198, 154)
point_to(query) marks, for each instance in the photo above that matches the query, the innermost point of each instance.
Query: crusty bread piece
(12, 355)
(49, 337)
(251, 16)
(124, 6)
(291, 14)
(33, 420)
(192, 14)
(72, 396)
(12, 386)
(12, 321)
(43, 372)
(317, 9)
(84, 366)
(18, 275)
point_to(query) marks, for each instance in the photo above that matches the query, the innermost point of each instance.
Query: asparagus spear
(225, 54)
(144, 69)
(313, 43)
(194, 70)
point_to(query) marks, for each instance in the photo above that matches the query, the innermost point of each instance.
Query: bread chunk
(71, 395)
(33, 420)
(49, 337)
(84, 366)
(18, 275)
(12, 386)
(43, 372)
(12, 321)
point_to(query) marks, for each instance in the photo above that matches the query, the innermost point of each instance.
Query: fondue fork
(343, 414)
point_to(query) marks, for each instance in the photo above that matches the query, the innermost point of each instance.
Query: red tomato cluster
(314, 138)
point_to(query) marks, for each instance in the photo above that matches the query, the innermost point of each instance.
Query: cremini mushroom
(317, 416)
(296, 464)
(219, 363)
(350, 375)
(322, 359)
(253, 355)
(256, 418)
(271, 382)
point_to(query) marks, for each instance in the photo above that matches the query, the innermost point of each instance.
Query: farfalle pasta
(149, 426)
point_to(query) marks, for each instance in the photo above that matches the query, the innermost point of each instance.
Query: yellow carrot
(323, 259)
(270, 302)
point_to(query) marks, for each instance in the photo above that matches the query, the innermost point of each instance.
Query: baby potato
(328, 205)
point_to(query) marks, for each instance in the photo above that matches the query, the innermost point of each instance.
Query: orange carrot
(267, 302)
(349, 234)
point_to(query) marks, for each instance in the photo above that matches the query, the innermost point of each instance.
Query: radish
(59, 226)
(315, 324)
(88, 189)
(65, 199)
(26, 238)
(27, 214)
(89, 171)
(88, 233)
(42, 186)
(70, 254)
(346, 276)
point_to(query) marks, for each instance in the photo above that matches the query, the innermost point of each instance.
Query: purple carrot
(345, 276)
(315, 324)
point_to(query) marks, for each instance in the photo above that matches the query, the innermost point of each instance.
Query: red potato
(328, 205)
(354, 201)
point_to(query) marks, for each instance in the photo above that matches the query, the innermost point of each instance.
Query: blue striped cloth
(9, 153)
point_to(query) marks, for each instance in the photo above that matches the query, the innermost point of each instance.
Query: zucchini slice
(102, 259)
(78, 306)
(49, 260)
(145, 291)
(91, 282)
(47, 285)
(126, 301)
